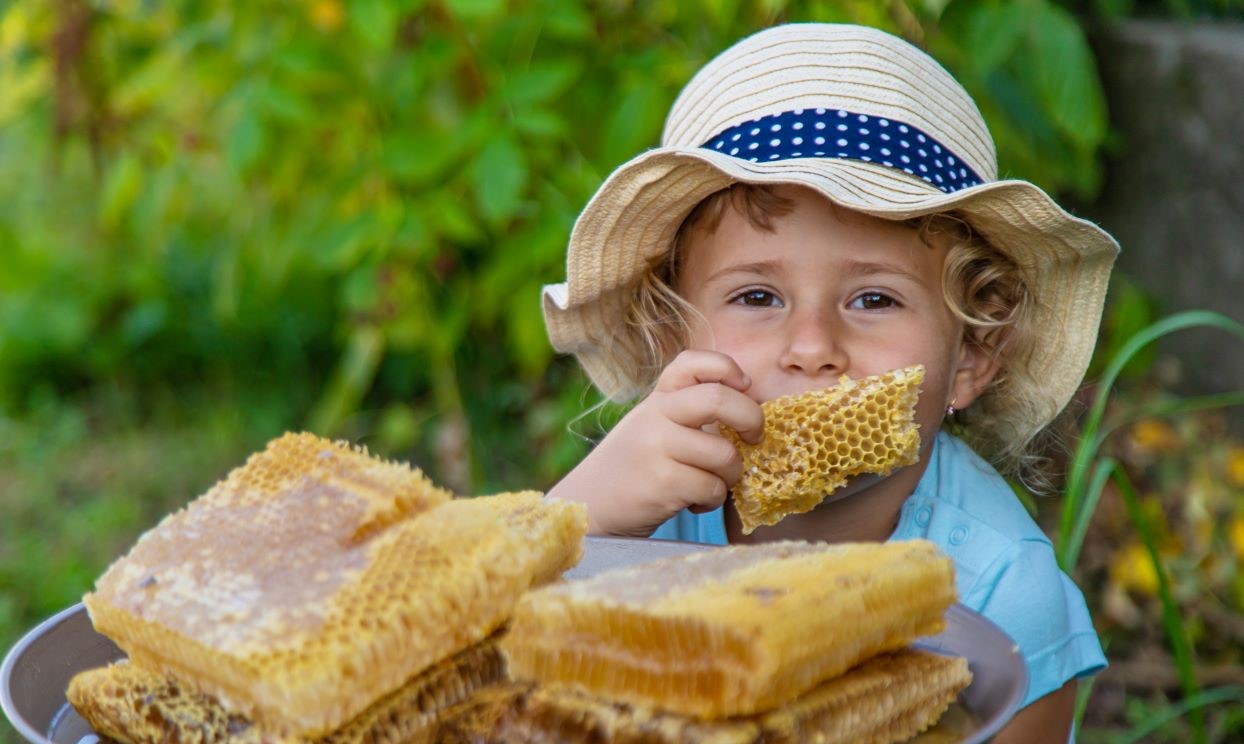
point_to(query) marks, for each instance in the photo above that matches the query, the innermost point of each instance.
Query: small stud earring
(950, 409)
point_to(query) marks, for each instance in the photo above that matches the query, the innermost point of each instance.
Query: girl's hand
(659, 459)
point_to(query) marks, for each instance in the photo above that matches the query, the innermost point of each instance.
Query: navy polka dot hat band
(869, 122)
(835, 133)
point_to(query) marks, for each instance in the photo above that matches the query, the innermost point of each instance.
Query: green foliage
(1032, 73)
(346, 204)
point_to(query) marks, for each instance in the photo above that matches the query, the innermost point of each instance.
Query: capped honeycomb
(134, 705)
(478, 719)
(314, 579)
(731, 631)
(888, 698)
(131, 704)
(814, 441)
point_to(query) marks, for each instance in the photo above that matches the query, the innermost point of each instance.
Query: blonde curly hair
(984, 288)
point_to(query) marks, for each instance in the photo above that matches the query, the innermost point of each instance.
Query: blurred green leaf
(288, 106)
(539, 123)
(527, 340)
(344, 244)
(720, 13)
(418, 157)
(121, 189)
(399, 428)
(156, 78)
(568, 20)
(471, 11)
(358, 291)
(350, 382)
(246, 141)
(933, 8)
(1067, 76)
(499, 175)
(994, 32)
(375, 21)
(452, 218)
(541, 81)
(143, 321)
(634, 125)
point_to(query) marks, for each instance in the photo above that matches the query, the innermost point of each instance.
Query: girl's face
(829, 292)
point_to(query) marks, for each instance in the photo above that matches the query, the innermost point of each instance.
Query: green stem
(1068, 558)
(1187, 705)
(1175, 630)
(1069, 548)
(1091, 438)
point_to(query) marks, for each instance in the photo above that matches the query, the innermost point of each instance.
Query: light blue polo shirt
(1004, 564)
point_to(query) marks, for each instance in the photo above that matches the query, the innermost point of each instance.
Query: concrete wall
(1174, 194)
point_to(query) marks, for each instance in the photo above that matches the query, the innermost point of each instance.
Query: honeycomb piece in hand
(730, 631)
(815, 441)
(315, 579)
(129, 703)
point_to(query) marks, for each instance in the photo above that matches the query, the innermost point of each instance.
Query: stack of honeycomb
(775, 642)
(883, 700)
(131, 703)
(815, 441)
(315, 580)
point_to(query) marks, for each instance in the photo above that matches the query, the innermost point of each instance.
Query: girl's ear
(980, 358)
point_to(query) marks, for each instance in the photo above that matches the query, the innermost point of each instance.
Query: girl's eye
(757, 298)
(873, 301)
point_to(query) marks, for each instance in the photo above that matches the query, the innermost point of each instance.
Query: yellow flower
(1235, 533)
(1154, 436)
(1235, 466)
(327, 15)
(1132, 569)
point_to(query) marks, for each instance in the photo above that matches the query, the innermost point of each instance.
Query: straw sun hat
(873, 124)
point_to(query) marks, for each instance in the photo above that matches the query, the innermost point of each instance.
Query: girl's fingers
(710, 403)
(707, 452)
(698, 489)
(695, 367)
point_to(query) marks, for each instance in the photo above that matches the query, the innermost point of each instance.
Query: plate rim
(7, 704)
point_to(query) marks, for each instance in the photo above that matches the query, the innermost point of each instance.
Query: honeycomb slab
(135, 705)
(889, 698)
(815, 441)
(315, 579)
(732, 631)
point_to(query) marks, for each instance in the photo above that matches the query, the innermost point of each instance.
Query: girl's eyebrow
(859, 268)
(764, 268)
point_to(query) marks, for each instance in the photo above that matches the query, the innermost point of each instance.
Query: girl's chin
(857, 486)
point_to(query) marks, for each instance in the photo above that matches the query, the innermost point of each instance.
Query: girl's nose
(813, 345)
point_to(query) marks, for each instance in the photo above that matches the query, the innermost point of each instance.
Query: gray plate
(37, 670)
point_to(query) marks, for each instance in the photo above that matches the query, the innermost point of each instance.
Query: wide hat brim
(631, 221)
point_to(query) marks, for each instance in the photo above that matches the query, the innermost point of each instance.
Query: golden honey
(315, 579)
(888, 698)
(129, 703)
(815, 441)
(733, 631)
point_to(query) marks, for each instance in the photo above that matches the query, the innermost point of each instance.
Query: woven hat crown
(814, 65)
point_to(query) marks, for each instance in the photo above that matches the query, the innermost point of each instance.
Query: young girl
(825, 203)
